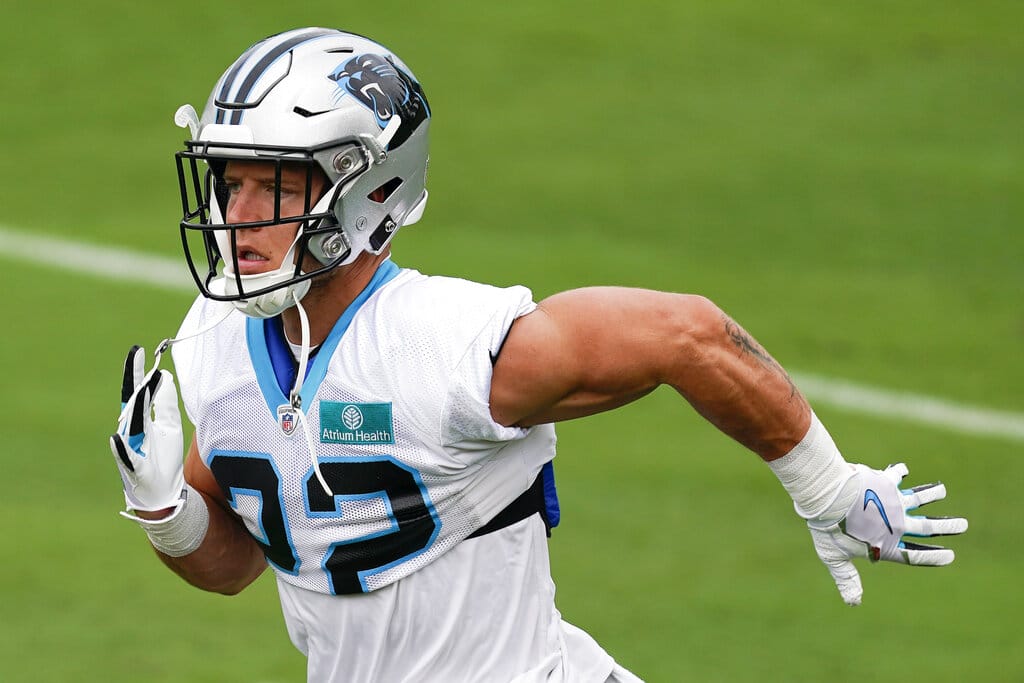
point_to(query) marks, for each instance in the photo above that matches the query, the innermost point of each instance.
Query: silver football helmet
(329, 101)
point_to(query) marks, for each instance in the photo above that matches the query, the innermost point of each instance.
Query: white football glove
(874, 524)
(148, 444)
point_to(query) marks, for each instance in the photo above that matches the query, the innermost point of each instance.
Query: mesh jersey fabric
(419, 346)
(442, 608)
(482, 612)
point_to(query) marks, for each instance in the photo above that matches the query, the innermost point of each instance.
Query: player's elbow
(228, 579)
(691, 324)
(229, 589)
(235, 584)
(223, 586)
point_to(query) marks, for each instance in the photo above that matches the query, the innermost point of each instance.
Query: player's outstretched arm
(589, 350)
(178, 505)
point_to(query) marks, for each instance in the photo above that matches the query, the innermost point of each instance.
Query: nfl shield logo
(286, 418)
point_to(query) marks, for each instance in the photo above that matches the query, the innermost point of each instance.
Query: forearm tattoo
(748, 346)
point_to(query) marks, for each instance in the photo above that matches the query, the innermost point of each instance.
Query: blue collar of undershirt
(272, 357)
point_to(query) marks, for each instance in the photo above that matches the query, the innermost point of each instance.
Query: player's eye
(289, 190)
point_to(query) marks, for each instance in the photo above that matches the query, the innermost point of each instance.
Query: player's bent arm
(589, 350)
(228, 559)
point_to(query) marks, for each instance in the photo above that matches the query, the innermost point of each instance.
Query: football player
(381, 438)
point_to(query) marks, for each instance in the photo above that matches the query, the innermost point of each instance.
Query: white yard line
(105, 262)
(165, 273)
(910, 407)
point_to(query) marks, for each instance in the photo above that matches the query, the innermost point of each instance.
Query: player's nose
(246, 206)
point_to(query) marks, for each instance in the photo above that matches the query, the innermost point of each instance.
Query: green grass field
(844, 179)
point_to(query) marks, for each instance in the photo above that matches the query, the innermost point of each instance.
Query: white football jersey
(378, 581)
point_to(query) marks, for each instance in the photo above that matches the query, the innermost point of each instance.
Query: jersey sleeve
(466, 414)
(438, 338)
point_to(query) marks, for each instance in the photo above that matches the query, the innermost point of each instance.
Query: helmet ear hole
(381, 194)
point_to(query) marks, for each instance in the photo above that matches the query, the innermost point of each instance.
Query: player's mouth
(251, 262)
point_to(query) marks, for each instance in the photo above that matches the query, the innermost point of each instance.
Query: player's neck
(329, 296)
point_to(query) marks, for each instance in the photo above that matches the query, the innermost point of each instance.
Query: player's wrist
(155, 515)
(182, 531)
(814, 473)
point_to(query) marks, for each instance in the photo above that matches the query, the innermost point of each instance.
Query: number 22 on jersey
(409, 522)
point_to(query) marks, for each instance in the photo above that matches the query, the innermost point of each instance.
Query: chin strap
(294, 396)
(296, 399)
(167, 343)
(266, 305)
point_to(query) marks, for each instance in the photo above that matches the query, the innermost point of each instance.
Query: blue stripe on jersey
(263, 359)
(281, 358)
(551, 507)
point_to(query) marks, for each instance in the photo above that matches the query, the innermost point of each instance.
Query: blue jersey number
(411, 516)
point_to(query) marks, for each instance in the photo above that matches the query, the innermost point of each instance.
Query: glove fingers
(165, 401)
(935, 526)
(926, 555)
(847, 581)
(120, 452)
(835, 549)
(922, 495)
(134, 370)
(895, 473)
(140, 409)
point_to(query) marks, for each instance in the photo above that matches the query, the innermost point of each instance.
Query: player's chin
(254, 267)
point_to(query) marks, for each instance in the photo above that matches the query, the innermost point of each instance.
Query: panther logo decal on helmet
(385, 90)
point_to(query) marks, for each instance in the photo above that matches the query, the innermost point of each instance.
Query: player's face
(252, 188)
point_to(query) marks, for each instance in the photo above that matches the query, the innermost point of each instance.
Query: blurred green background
(844, 179)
